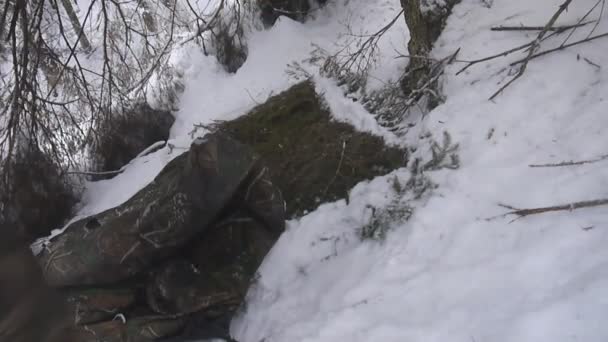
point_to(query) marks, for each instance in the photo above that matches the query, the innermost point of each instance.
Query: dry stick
(571, 163)
(535, 45)
(539, 28)
(590, 62)
(565, 207)
(561, 47)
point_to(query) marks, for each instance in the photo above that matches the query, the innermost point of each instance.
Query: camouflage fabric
(181, 251)
(92, 305)
(180, 203)
(217, 273)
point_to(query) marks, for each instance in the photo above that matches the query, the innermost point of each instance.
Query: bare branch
(533, 47)
(564, 207)
(571, 163)
(559, 48)
(539, 28)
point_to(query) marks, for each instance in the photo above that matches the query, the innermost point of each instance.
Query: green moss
(312, 159)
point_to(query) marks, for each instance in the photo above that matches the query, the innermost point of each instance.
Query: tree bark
(425, 26)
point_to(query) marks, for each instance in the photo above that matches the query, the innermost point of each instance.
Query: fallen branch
(565, 207)
(571, 162)
(510, 51)
(561, 47)
(533, 47)
(539, 28)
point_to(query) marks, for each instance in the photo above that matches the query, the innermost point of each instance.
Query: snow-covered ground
(448, 273)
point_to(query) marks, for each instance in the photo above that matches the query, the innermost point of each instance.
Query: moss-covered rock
(311, 158)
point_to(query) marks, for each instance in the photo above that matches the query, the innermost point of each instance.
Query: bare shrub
(228, 38)
(38, 199)
(125, 136)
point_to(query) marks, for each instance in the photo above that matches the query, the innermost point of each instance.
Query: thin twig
(597, 22)
(571, 162)
(337, 169)
(252, 98)
(583, 19)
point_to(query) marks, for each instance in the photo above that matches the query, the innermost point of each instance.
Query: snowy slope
(447, 274)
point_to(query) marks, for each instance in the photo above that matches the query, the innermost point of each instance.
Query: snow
(212, 94)
(456, 270)
(449, 274)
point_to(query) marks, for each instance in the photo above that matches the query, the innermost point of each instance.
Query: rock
(311, 158)
(184, 199)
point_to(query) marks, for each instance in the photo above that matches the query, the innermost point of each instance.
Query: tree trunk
(425, 26)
